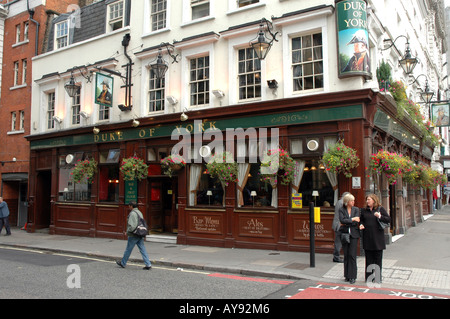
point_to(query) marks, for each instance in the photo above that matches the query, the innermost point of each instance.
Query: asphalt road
(33, 274)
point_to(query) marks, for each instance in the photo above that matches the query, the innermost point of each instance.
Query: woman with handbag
(349, 218)
(374, 219)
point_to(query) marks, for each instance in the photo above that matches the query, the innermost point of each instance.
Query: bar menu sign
(131, 191)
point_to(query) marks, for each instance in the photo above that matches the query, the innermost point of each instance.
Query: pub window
(68, 190)
(199, 81)
(200, 8)
(76, 107)
(252, 191)
(116, 15)
(50, 110)
(103, 112)
(307, 62)
(204, 190)
(108, 189)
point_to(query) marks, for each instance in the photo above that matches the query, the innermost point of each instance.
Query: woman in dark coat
(373, 235)
(349, 218)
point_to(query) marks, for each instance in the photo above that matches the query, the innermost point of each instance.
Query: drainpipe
(31, 13)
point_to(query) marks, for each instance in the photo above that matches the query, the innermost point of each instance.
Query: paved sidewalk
(419, 260)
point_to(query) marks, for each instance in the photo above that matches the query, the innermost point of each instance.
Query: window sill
(16, 87)
(15, 132)
(249, 7)
(17, 44)
(268, 210)
(200, 20)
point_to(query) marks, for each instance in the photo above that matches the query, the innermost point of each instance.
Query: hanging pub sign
(440, 114)
(103, 89)
(352, 38)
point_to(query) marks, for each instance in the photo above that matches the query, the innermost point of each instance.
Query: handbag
(345, 238)
(381, 225)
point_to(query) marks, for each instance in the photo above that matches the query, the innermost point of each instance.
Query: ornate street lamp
(407, 62)
(262, 44)
(160, 67)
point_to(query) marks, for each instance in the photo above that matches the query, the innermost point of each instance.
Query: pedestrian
(4, 217)
(373, 235)
(349, 218)
(337, 234)
(132, 223)
(435, 197)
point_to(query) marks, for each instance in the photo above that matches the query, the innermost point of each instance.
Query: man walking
(337, 234)
(4, 216)
(133, 221)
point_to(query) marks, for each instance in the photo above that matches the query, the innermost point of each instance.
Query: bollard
(312, 253)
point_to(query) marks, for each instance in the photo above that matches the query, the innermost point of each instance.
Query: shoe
(352, 281)
(119, 262)
(147, 267)
(346, 279)
(340, 260)
(8, 234)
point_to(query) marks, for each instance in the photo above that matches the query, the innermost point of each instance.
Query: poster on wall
(440, 114)
(103, 89)
(352, 39)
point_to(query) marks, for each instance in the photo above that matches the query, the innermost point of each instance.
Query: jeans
(139, 241)
(4, 221)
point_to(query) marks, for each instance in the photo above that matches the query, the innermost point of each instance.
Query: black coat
(373, 236)
(347, 222)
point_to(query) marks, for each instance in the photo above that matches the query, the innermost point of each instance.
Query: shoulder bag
(142, 228)
(381, 225)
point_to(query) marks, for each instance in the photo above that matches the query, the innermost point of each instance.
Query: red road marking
(280, 282)
(319, 293)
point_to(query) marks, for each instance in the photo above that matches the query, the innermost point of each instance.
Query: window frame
(76, 107)
(61, 36)
(115, 8)
(154, 89)
(196, 82)
(51, 99)
(154, 19)
(254, 73)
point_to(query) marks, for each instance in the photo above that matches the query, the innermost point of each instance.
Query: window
(103, 113)
(76, 107)
(67, 189)
(256, 192)
(116, 11)
(50, 110)
(307, 62)
(18, 33)
(25, 31)
(16, 73)
(13, 121)
(315, 179)
(62, 34)
(24, 71)
(249, 72)
(109, 176)
(22, 120)
(199, 81)
(204, 190)
(243, 3)
(156, 93)
(200, 8)
(158, 14)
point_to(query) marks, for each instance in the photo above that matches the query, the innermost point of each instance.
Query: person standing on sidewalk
(132, 223)
(349, 218)
(4, 217)
(337, 234)
(373, 235)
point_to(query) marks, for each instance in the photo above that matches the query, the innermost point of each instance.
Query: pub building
(190, 206)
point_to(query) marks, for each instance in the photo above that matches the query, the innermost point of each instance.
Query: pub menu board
(131, 191)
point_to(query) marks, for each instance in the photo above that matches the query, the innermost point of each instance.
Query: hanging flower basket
(133, 168)
(172, 164)
(277, 165)
(223, 167)
(390, 164)
(340, 159)
(84, 170)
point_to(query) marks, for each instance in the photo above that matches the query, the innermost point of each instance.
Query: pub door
(393, 210)
(162, 210)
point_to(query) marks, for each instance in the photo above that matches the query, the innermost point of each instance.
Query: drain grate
(297, 266)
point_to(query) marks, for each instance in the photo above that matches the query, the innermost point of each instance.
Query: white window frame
(197, 81)
(50, 122)
(21, 120)
(155, 89)
(13, 121)
(156, 13)
(76, 107)
(115, 8)
(16, 73)
(246, 73)
(60, 36)
(187, 18)
(24, 71)
(233, 5)
(147, 25)
(18, 33)
(25, 31)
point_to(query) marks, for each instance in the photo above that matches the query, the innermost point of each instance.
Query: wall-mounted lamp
(253, 194)
(407, 62)
(72, 87)
(57, 119)
(183, 116)
(84, 115)
(160, 67)
(262, 44)
(172, 100)
(273, 84)
(135, 123)
(218, 93)
(96, 130)
(427, 94)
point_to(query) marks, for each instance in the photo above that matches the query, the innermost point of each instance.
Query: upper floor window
(62, 34)
(116, 15)
(103, 112)
(200, 8)
(307, 62)
(199, 81)
(249, 73)
(76, 107)
(16, 73)
(13, 121)
(25, 31)
(18, 33)
(21, 120)
(158, 14)
(156, 93)
(50, 110)
(243, 3)
(24, 71)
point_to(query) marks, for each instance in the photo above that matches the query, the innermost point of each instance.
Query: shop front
(248, 213)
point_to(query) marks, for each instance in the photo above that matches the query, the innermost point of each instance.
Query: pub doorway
(43, 199)
(162, 214)
(393, 210)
